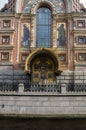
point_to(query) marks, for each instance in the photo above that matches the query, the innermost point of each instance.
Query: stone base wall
(43, 105)
(70, 77)
(10, 79)
(19, 76)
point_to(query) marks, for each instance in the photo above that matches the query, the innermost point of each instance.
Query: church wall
(71, 57)
(10, 79)
(70, 53)
(43, 105)
(55, 99)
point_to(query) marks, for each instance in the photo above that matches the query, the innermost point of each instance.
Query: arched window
(43, 27)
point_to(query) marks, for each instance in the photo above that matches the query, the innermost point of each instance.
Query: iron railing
(45, 88)
(8, 87)
(11, 87)
(76, 87)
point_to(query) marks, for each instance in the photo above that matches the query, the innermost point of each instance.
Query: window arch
(43, 27)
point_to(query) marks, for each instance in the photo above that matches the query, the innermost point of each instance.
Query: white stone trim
(18, 42)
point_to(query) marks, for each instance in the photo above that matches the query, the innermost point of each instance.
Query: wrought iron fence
(8, 87)
(76, 87)
(11, 87)
(45, 88)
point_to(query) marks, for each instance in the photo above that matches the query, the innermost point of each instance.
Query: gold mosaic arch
(28, 60)
(38, 3)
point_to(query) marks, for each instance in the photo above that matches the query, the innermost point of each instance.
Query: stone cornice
(79, 14)
(6, 47)
(83, 31)
(28, 15)
(80, 64)
(8, 63)
(78, 48)
(22, 16)
(7, 15)
(6, 31)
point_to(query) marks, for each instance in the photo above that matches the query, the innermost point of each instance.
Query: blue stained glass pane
(43, 27)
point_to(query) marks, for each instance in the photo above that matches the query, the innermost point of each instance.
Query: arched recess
(52, 6)
(36, 5)
(39, 3)
(42, 62)
(44, 27)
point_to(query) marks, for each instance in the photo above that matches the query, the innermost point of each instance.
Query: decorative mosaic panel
(82, 57)
(59, 4)
(61, 34)
(26, 35)
(62, 57)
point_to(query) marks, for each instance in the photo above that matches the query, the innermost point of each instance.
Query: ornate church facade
(45, 39)
(43, 65)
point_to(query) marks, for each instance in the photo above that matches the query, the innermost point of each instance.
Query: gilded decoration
(49, 51)
(42, 64)
(43, 69)
(59, 5)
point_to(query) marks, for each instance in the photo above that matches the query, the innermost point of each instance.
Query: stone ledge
(56, 94)
(43, 116)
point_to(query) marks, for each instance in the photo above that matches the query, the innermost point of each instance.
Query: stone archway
(43, 65)
(39, 3)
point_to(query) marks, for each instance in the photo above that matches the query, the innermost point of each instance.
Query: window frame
(47, 40)
(81, 21)
(26, 55)
(7, 40)
(4, 59)
(83, 38)
(65, 57)
(78, 58)
(8, 23)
